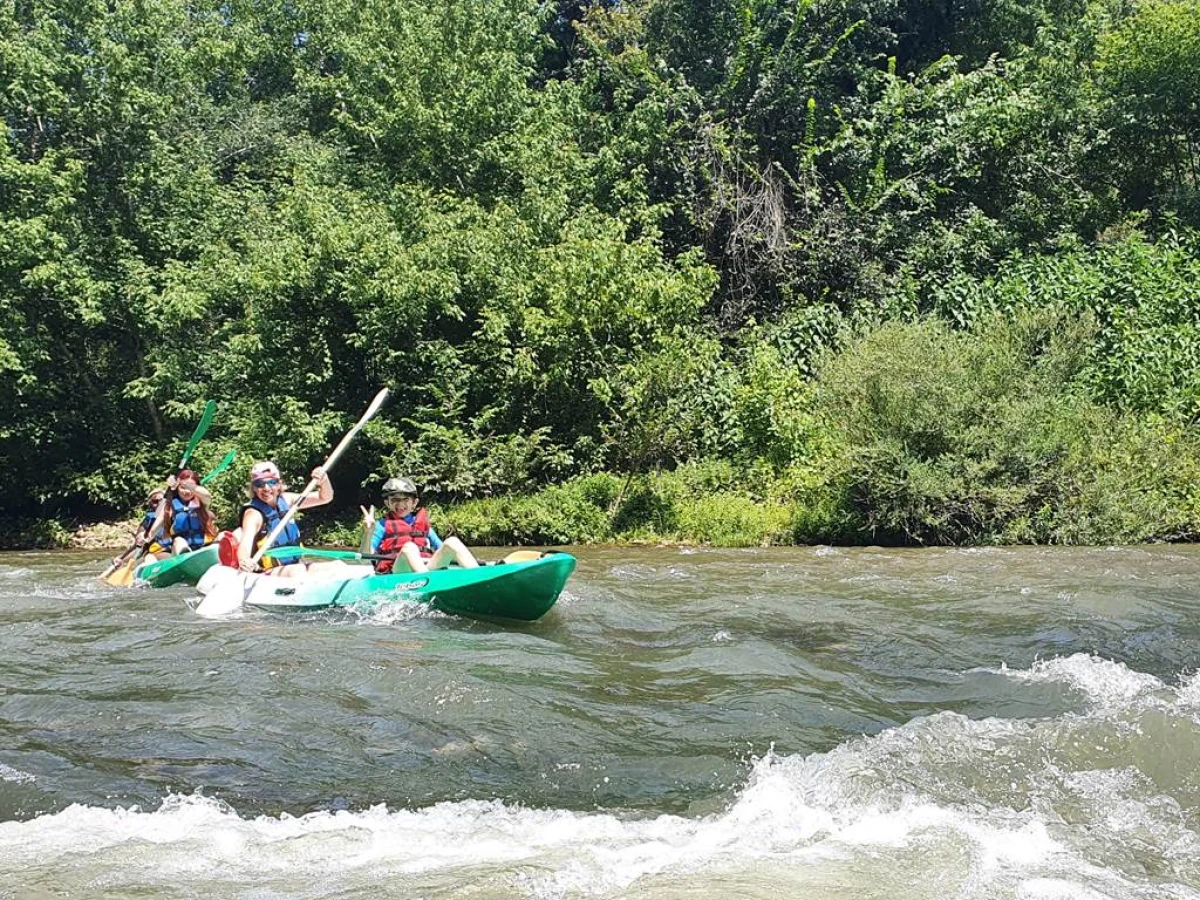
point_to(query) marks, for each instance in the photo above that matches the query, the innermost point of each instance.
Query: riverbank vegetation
(728, 272)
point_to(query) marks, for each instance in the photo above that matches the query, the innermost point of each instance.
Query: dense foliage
(752, 271)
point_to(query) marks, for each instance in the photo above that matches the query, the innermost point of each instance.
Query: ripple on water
(943, 727)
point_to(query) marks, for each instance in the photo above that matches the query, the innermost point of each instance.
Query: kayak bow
(187, 568)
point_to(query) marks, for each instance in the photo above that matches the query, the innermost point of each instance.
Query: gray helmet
(399, 486)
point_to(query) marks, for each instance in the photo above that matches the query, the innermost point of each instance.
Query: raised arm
(324, 490)
(368, 530)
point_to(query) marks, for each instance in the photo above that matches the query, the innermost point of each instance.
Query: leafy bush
(693, 504)
(990, 435)
(37, 534)
(1148, 72)
(1144, 297)
(575, 512)
(734, 520)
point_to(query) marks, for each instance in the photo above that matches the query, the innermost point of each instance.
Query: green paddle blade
(221, 467)
(210, 410)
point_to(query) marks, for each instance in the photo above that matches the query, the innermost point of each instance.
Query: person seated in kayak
(146, 535)
(268, 505)
(406, 532)
(192, 523)
(184, 516)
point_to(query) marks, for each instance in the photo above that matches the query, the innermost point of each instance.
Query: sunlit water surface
(818, 723)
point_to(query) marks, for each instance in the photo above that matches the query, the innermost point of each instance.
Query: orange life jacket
(397, 532)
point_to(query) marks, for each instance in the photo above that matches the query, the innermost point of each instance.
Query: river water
(810, 722)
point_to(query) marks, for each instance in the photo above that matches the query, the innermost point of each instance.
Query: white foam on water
(1189, 692)
(1104, 682)
(1057, 889)
(16, 776)
(566, 598)
(925, 807)
(794, 813)
(393, 611)
(638, 572)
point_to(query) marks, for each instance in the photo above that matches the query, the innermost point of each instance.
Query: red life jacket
(397, 533)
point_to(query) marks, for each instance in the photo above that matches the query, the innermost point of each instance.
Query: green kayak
(520, 590)
(187, 568)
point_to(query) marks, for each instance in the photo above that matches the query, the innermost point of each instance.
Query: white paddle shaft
(312, 484)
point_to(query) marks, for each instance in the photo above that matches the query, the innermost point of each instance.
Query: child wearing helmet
(406, 533)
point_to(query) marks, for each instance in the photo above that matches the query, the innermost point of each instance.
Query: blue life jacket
(148, 520)
(290, 536)
(187, 524)
(154, 542)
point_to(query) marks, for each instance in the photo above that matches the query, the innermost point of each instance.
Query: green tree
(1149, 71)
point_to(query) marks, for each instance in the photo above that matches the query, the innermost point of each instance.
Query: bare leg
(453, 551)
(329, 568)
(410, 559)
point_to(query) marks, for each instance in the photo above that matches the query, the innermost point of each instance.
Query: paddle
(123, 577)
(228, 596)
(325, 554)
(120, 573)
(221, 467)
(517, 556)
(210, 410)
(104, 576)
(312, 484)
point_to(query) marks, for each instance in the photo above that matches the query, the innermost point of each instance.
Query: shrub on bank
(990, 435)
(1143, 295)
(697, 503)
(564, 514)
(34, 534)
